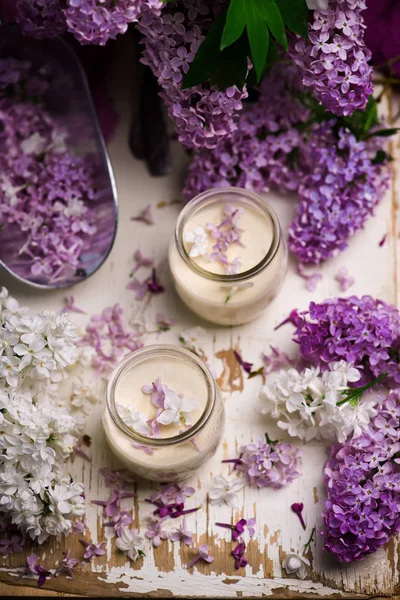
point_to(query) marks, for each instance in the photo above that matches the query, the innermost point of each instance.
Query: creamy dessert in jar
(228, 258)
(164, 416)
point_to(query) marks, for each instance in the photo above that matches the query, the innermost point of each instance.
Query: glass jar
(203, 284)
(173, 455)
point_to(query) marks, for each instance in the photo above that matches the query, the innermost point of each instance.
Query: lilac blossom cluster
(338, 194)
(362, 479)
(334, 60)
(46, 193)
(203, 115)
(90, 21)
(268, 464)
(363, 331)
(36, 435)
(262, 152)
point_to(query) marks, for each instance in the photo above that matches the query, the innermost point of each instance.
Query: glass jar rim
(146, 353)
(238, 194)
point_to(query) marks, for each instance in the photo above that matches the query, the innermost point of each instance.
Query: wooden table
(163, 573)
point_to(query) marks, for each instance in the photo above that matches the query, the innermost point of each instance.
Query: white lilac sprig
(310, 404)
(36, 435)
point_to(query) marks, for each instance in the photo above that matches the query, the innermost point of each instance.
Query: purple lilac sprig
(362, 479)
(262, 153)
(338, 194)
(202, 554)
(334, 60)
(170, 500)
(364, 331)
(203, 115)
(268, 464)
(88, 22)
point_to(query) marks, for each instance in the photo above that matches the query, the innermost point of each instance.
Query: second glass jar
(239, 291)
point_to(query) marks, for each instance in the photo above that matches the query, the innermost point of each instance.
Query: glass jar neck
(163, 351)
(227, 195)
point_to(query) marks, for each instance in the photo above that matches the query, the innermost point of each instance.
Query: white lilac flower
(308, 404)
(294, 564)
(36, 435)
(198, 240)
(130, 542)
(134, 419)
(225, 491)
(177, 408)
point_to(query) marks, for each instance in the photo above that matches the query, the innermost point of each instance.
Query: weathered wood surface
(162, 573)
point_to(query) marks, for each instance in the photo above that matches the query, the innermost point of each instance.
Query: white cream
(211, 298)
(172, 458)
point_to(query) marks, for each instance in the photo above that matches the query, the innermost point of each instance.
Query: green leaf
(268, 10)
(235, 23)
(258, 35)
(380, 157)
(383, 132)
(295, 15)
(207, 56)
(222, 69)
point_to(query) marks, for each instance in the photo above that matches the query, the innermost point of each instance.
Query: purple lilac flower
(141, 261)
(111, 507)
(145, 216)
(338, 195)
(47, 195)
(70, 306)
(202, 554)
(297, 508)
(92, 23)
(67, 565)
(172, 492)
(164, 323)
(41, 18)
(246, 366)
(92, 550)
(344, 279)
(119, 521)
(311, 279)
(203, 115)
(109, 337)
(382, 242)
(239, 528)
(362, 479)
(238, 555)
(119, 476)
(261, 153)
(268, 465)
(276, 360)
(292, 318)
(77, 449)
(78, 526)
(156, 533)
(13, 542)
(33, 568)
(182, 534)
(334, 60)
(363, 331)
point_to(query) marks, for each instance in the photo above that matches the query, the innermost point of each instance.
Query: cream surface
(172, 461)
(181, 378)
(214, 300)
(256, 237)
